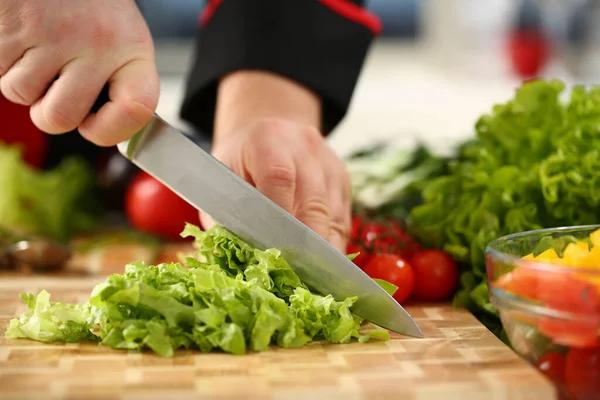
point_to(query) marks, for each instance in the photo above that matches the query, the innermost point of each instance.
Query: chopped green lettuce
(387, 286)
(230, 297)
(46, 321)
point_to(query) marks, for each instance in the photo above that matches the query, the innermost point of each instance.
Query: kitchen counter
(458, 358)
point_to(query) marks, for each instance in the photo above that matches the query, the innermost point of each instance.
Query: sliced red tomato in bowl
(583, 334)
(558, 290)
(394, 270)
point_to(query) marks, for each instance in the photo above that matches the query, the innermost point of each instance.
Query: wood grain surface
(458, 358)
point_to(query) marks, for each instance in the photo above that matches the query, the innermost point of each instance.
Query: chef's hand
(84, 44)
(266, 132)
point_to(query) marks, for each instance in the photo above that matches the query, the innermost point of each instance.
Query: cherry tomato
(397, 228)
(552, 365)
(363, 258)
(370, 232)
(17, 128)
(400, 245)
(582, 373)
(405, 245)
(436, 275)
(152, 207)
(395, 270)
(357, 224)
(388, 238)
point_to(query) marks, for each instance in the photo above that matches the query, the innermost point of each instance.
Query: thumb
(134, 91)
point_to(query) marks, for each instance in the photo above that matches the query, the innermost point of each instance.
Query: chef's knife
(207, 184)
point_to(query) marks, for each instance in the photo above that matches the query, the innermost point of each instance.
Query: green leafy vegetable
(46, 321)
(387, 286)
(231, 297)
(535, 163)
(390, 183)
(56, 204)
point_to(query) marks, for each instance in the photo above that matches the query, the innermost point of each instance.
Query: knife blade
(207, 184)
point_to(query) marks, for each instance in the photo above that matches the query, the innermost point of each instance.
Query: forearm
(245, 97)
(321, 45)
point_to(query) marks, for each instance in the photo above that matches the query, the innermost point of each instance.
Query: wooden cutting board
(458, 358)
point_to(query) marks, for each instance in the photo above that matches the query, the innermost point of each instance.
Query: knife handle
(101, 100)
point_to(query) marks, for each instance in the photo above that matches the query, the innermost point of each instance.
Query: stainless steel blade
(207, 184)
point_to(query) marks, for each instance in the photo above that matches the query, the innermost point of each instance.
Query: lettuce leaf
(56, 204)
(230, 297)
(535, 163)
(47, 321)
(389, 287)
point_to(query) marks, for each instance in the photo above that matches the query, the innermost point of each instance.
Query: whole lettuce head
(535, 163)
(56, 204)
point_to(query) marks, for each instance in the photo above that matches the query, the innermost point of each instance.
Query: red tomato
(402, 247)
(395, 270)
(371, 232)
(388, 239)
(153, 208)
(436, 275)
(582, 373)
(357, 224)
(529, 52)
(576, 295)
(363, 258)
(552, 365)
(17, 128)
(580, 334)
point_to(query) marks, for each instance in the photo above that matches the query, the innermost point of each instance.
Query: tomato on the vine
(395, 270)
(399, 246)
(436, 275)
(152, 207)
(582, 373)
(357, 224)
(552, 365)
(370, 233)
(388, 238)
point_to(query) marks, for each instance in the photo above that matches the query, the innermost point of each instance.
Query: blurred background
(438, 65)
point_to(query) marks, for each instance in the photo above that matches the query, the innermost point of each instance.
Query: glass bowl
(545, 285)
